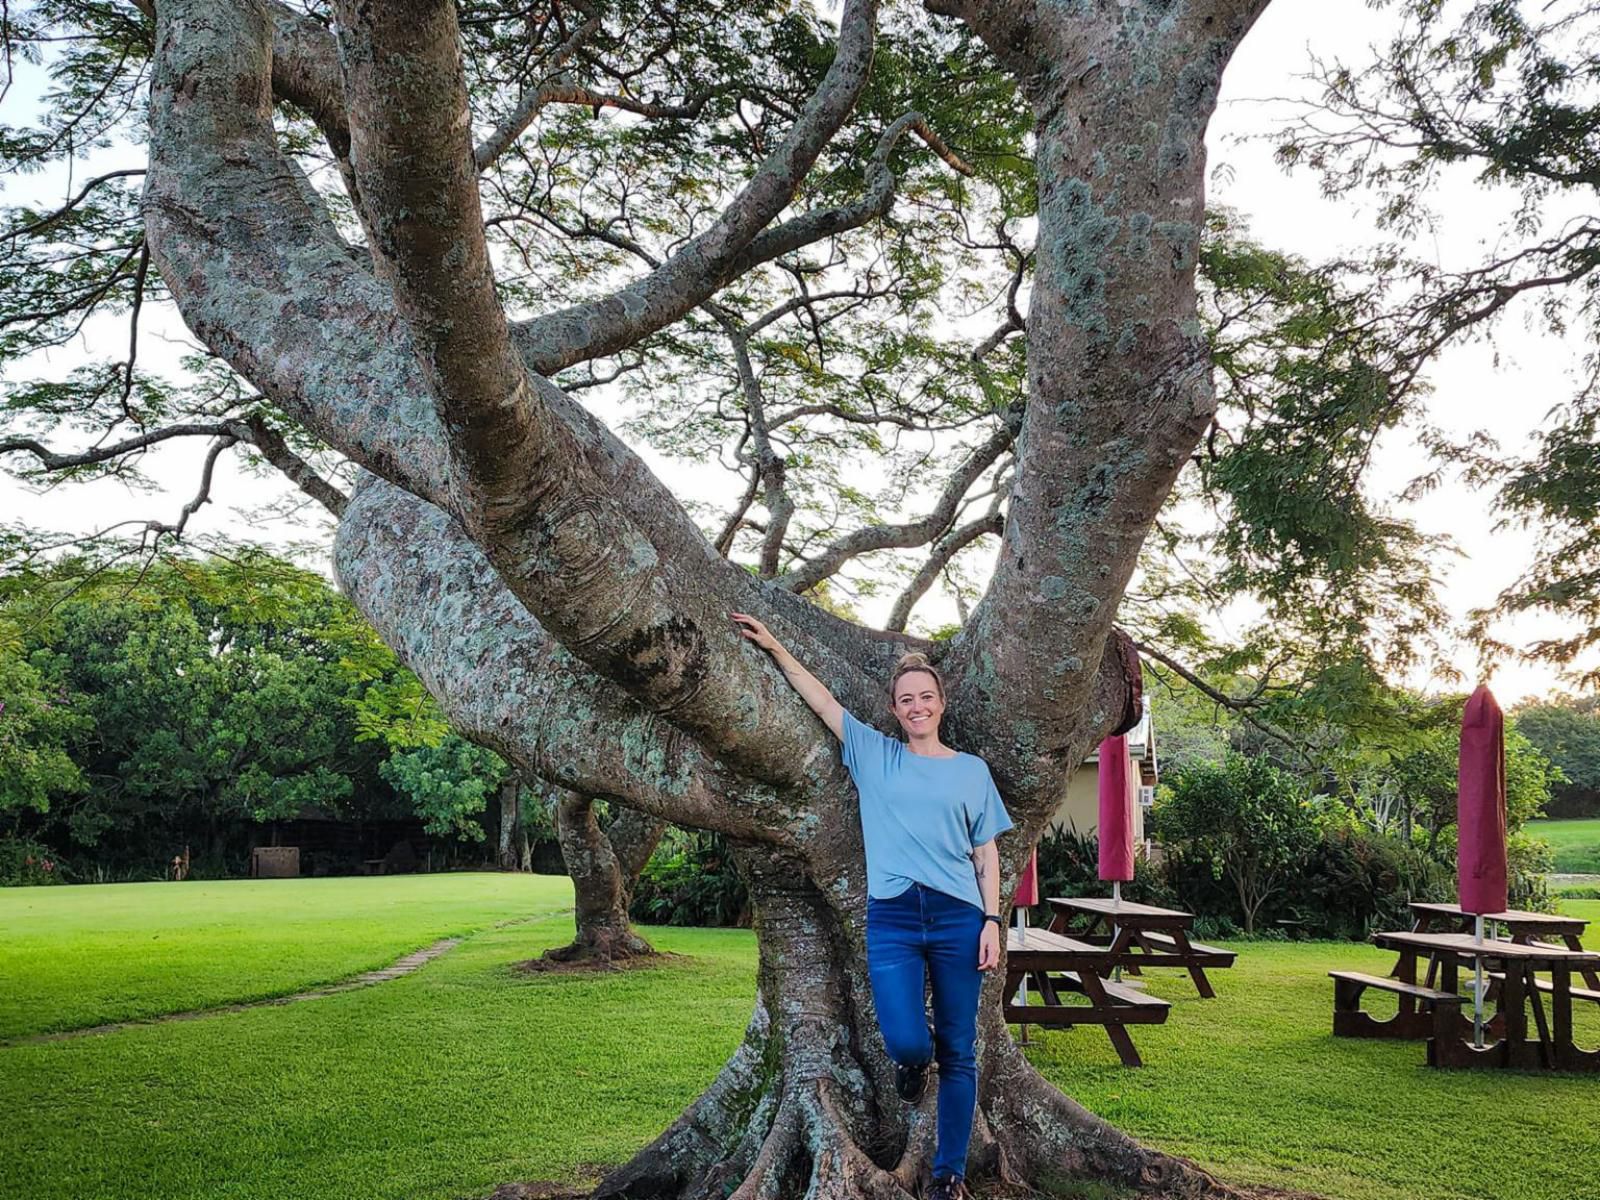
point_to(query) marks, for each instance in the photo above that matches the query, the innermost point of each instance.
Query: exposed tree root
(601, 946)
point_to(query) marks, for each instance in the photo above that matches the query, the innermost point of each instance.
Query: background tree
(1501, 94)
(1244, 820)
(36, 729)
(1567, 732)
(605, 862)
(204, 696)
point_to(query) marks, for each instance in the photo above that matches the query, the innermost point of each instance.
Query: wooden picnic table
(1136, 936)
(1054, 965)
(1523, 927)
(1450, 1044)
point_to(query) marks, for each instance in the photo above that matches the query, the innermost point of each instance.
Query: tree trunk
(604, 870)
(806, 1107)
(510, 821)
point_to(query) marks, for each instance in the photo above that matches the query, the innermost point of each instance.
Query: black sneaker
(951, 1187)
(910, 1082)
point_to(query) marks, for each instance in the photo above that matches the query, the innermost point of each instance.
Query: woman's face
(917, 703)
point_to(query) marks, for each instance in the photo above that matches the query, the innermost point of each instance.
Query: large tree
(544, 584)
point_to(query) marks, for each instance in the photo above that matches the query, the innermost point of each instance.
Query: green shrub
(25, 863)
(1356, 880)
(691, 880)
(1246, 823)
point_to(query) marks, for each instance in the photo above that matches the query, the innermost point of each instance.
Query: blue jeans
(916, 934)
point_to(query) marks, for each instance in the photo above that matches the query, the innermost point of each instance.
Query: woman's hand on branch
(756, 632)
(811, 689)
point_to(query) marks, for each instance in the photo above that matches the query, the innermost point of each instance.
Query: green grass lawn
(76, 956)
(467, 1074)
(1575, 844)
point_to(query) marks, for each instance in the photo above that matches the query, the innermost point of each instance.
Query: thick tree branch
(34, 228)
(1116, 401)
(305, 73)
(521, 486)
(1245, 706)
(232, 235)
(50, 460)
(522, 116)
(634, 836)
(604, 326)
(291, 466)
(506, 683)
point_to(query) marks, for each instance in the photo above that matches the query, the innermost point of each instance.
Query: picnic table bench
(1350, 1020)
(1138, 936)
(1054, 965)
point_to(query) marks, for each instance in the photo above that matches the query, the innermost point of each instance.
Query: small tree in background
(1245, 820)
(1567, 732)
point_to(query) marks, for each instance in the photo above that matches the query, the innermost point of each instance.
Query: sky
(1504, 389)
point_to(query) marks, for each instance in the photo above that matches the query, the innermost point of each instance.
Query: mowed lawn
(77, 956)
(1575, 845)
(468, 1074)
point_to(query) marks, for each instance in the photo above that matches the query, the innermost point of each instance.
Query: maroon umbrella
(1116, 811)
(1481, 824)
(1481, 807)
(1028, 886)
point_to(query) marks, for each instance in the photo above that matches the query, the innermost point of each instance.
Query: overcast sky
(1505, 390)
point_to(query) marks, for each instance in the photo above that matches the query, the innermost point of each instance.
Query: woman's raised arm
(811, 689)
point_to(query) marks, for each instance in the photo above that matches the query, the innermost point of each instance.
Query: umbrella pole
(1477, 987)
(1116, 927)
(1022, 988)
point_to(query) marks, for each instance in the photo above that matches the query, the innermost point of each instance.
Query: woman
(929, 817)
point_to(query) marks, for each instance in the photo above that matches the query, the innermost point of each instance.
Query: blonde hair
(914, 661)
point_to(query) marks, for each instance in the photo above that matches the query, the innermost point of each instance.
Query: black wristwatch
(995, 917)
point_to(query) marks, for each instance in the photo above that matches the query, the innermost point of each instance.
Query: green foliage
(191, 699)
(447, 785)
(1422, 778)
(690, 880)
(1500, 95)
(215, 693)
(36, 729)
(1243, 820)
(1567, 732)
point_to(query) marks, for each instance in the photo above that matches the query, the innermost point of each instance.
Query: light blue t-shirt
(921, 817)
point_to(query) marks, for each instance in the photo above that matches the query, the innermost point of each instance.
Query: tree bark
(604, 868)
(510, 822)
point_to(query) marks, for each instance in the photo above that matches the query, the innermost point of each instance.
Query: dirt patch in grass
(537, 1191)
(547, 1189)
(596, 966)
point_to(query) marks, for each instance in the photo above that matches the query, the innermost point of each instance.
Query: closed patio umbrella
(1027, 896)
(1116, 823)
(1116, 814)
(1481, 822)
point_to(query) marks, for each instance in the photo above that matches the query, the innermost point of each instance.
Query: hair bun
(910, 659)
